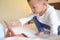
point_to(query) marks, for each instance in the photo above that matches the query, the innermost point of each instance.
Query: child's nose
(34, 11)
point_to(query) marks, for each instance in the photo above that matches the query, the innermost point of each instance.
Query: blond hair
(29, 0)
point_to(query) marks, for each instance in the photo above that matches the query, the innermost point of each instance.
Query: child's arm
(22, 20)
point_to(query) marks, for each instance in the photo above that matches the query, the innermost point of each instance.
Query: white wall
(13, 9)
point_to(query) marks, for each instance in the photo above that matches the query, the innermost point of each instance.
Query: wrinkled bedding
(18, 38)
(30, 33)
(32, 38)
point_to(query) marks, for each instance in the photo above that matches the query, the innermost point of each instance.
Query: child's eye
(34, 7)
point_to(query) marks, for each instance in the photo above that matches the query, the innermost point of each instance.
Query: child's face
(36, 6)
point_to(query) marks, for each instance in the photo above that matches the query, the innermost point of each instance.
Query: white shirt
(49, 17)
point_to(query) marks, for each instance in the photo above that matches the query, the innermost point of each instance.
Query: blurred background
(16, 9)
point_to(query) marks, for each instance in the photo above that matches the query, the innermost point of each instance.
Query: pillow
(2, 30)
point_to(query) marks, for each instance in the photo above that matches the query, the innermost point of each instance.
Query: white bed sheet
(20, 38)
(52, 37)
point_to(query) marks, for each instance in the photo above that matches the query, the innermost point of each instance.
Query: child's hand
(14, 22)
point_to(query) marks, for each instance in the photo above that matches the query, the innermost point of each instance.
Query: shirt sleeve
(26, 19)
(54, 21)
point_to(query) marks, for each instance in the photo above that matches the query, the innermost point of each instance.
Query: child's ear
(44, 3)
